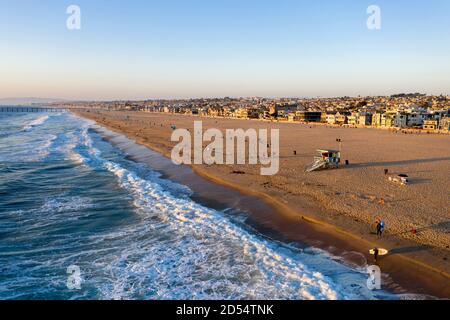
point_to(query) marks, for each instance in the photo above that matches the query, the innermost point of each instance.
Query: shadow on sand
(395, 163)
(411, 249)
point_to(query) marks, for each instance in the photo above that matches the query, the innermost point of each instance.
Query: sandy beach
(347, 201)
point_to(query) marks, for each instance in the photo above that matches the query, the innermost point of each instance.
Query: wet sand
(299, 216)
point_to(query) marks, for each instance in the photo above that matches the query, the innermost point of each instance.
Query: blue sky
(192, 48)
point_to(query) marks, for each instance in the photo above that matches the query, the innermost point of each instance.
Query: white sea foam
(35, 123)
(52, 210)
(26, 145)
(34, 149)
(66, 204)
(43, 150)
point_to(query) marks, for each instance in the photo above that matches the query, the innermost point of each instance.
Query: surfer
(380, 228)
(376, 252)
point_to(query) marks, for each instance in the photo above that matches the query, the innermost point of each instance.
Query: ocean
(69, 197)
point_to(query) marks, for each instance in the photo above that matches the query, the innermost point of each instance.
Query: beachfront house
(415, 119)
(439, 115)
(342, 117)
(224, 112)
(308, 116)
(331, 117)
(213, 112)
(291, 117)
(365, 119)
(203, 112)
(241, 113)
(196, 111)
(401, 120)
(360, 119)
(444, 124)
(339, 118)
(388, 119)
(353, 119)
(430, 124)
(283, 110)
(376, 119)
(186, 111)
(256, 113)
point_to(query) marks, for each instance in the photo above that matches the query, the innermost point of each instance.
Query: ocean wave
(66, 204)
(36, 122)
(43, 150)
(29, 151)
(52, 210)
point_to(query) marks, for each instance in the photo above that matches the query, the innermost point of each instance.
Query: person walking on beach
(380, 228)
(376, 252)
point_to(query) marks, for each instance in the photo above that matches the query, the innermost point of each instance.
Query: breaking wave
(35, 123)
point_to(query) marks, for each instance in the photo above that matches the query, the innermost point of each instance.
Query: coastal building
(331, 117)
(401, 120)
(291, 117)
(223, 112)
(360, 119)
(353, 118)
(308, 116)
(241, 113)
(256, 114)
(439, 114)
(365, 119)
(377, 119)
(342, 117)
(283, 110)
(415, 119)
(444, 124)
(196, 111)
(213, 112)
(430, 124)
(388, 119)
(339, 118)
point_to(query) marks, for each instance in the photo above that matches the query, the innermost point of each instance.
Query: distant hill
(408, 95)
(28, 101)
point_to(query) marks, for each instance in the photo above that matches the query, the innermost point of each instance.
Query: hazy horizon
(201, 49)
(203, 97)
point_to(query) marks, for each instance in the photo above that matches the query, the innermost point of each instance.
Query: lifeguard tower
(328, 159)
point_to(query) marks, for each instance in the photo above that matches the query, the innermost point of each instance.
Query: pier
(30, 109)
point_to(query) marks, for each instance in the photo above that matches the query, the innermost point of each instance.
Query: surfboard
(381, 252)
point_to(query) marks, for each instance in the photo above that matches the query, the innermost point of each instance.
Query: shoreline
(402, 268)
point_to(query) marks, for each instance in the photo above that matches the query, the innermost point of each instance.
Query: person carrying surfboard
(376, 252)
